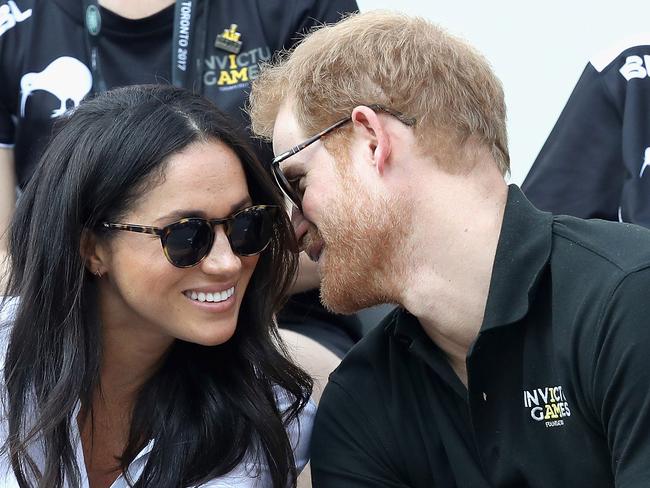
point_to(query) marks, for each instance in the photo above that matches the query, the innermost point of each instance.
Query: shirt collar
(522, 253)
(406, 329)
(135, 468)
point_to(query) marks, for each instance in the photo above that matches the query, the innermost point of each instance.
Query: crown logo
(229, 40)
(231, 34)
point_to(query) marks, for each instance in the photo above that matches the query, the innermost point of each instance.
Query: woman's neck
(135, 10)
(128, 361)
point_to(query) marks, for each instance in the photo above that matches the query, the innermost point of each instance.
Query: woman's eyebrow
(245, 202)
(188, 213)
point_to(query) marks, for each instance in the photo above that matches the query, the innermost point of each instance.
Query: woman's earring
(98, 273)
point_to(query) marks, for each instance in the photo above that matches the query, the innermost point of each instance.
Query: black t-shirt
(44, 69)
(558, 377)
(44, 58)
(595, 163)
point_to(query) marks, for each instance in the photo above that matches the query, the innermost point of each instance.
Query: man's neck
(135, 10)
(451, 259)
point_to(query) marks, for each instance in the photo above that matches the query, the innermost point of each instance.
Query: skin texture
(141, 295)
(360, 233)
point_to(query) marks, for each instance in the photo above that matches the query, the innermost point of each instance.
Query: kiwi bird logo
(66, 78)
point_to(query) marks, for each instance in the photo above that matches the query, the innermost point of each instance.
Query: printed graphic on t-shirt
(547, 404)
(646, 161)
(635, 67)
(67, 78)
(10, 15)
(234, 71)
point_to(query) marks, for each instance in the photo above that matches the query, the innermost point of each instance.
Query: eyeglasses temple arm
(308, 142)
(142, 229)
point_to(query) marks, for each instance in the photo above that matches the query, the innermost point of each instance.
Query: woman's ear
(92, 253)
(376, 138)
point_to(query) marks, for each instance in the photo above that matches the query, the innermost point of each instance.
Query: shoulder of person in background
(593, 164)
(300, 16)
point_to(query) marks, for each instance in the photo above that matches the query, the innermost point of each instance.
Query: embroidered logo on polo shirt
(547, 404)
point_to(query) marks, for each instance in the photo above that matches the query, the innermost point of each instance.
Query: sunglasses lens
(187, 242)
(251, 230)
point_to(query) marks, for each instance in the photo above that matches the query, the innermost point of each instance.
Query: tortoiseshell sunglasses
(188, 241)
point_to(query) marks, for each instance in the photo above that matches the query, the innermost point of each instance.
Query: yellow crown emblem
(229, 40)
(231, 34)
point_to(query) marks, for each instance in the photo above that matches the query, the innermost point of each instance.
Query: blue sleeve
(595, 163)
(634, 99)
(313, 13)
(286, 21)
(579, 170)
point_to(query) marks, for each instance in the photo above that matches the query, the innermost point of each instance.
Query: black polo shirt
(558, 379)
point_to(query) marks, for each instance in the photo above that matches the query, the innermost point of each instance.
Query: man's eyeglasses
(188, 241)
(290, 187)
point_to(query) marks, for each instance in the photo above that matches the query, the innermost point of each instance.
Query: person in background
(519, 354)
(53, 54)
(149, 253)
(595, 163)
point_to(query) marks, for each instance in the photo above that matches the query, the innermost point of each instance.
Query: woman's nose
(221, 259)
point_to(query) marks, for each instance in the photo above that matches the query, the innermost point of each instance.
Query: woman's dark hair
(206, 408)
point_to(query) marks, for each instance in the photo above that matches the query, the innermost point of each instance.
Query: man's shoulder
(614, 246)
(367, 360)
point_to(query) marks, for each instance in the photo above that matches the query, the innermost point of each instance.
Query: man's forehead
(286, 132)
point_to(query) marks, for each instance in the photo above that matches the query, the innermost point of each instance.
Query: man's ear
(92, 253)
(375, 138)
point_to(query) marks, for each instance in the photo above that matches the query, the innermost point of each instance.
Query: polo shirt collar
(407, 330)
(523, 250)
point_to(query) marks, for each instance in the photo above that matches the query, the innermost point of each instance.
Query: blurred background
(538, 50)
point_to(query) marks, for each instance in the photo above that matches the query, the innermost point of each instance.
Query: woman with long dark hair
(149, 253)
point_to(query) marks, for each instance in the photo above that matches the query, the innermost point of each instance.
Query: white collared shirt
(245, 475)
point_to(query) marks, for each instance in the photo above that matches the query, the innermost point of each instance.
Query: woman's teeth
(215, 297)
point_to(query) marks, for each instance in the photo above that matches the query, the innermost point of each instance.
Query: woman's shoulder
(298, 430)
(7, 312)
(250, 473)
(8, 306)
